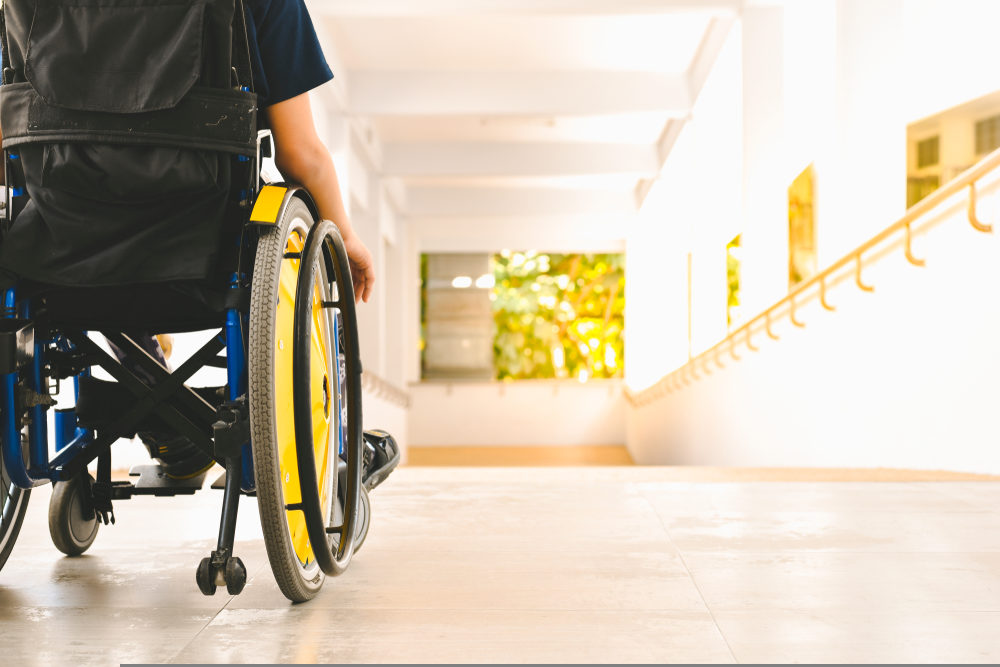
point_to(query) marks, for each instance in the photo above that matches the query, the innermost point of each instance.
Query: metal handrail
(764, 320)
(382, 388)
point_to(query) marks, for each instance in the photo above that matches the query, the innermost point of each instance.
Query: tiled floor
(542, 565)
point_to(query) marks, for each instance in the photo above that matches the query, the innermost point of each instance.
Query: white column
(363, 195)
(394, 304)
(764, 276)
(869, 171)
(656, 302)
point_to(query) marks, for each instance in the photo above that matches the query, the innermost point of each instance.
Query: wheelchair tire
(13, 505)
(70, 531)
(271, 343)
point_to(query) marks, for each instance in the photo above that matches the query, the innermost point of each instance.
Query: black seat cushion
(171, 307)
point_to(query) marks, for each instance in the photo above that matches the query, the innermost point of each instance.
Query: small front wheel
(206, 577)
(72, 530)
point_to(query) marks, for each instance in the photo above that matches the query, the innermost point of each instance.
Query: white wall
(695, 207)
(532, 412)
(387, 415)
(904, 377)
(889, 377)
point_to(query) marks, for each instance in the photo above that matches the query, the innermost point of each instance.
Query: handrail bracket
(973, 218)
(915, 261)
(857, 277)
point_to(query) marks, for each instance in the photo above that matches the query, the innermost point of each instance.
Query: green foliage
(558, 315)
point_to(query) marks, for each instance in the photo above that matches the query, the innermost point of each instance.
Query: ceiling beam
(507, 7)
(517, 159)
(701, 66)
(575, 233)
(708, 52)
(478, 202)
(546, 93)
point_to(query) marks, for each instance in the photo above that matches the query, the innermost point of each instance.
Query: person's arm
(302, 158)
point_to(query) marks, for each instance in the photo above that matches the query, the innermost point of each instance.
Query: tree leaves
(558, 315)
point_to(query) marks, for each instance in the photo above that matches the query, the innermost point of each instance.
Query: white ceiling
(623, 128)
(517, 105)
(637, 43)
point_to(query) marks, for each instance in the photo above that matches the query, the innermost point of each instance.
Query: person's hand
(362, 267)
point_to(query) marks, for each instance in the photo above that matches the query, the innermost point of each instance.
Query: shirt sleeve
(290, 53)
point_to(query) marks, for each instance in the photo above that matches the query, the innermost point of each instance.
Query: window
(917, 188)
(801, 228)
(928, 152)
(457, 316)
(987, 135)
(733, 279)
(942, 146)
(523, 315)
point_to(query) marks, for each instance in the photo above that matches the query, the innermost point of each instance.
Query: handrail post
(770, 332)
(973, 218)
(749, 341)
(792, 316)
(732, 349)
(915, 261)
(857, 277)
(822, 295)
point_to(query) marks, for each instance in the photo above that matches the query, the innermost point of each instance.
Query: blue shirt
(285, 54)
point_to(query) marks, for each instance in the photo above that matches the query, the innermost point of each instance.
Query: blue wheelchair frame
(70, 440)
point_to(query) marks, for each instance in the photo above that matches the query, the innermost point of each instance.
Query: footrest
(153, 481)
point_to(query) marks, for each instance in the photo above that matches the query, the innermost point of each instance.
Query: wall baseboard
(519, 455)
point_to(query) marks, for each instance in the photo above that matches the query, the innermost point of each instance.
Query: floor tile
(540, 565)
(902, 636)
(311, 633)
(866, 582)
(836, 531)
(41, 636)
(456, 579)
(765, 497)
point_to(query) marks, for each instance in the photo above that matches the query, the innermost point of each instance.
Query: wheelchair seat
(168, 307)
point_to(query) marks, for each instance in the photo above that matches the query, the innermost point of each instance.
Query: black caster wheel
(71, 530)
(206, 577)
(236, 576)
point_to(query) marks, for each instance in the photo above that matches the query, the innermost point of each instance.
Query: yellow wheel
(272, 309)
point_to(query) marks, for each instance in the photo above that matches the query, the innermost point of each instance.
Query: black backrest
(128, 127)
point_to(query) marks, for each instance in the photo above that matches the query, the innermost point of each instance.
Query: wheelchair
(287, 425)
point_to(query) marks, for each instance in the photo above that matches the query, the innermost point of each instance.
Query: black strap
(242, 55)
(8, 72)
(206, 119)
